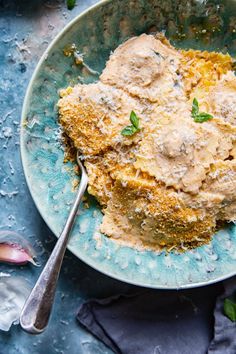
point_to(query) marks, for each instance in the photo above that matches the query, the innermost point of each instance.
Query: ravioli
(93, 115)
(170, 182)
(144, 67)
(179, 152)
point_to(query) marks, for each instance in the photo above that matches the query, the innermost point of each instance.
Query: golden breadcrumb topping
(158, 136)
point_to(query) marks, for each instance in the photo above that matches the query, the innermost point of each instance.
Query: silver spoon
(36, 311)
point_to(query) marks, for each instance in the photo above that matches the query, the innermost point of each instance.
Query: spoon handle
(36, 312)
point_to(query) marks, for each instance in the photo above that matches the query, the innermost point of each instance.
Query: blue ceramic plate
(194, 24)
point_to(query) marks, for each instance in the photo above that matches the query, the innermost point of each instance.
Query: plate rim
(25, 170)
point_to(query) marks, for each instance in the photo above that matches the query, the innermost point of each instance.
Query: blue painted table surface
(26, 29)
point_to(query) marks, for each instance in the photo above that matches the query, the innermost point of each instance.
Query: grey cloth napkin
(148, 321)
(224, 341)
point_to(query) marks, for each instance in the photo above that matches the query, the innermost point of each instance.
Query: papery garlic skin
(13, 294)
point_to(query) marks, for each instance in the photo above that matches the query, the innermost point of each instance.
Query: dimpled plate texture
(202, 25)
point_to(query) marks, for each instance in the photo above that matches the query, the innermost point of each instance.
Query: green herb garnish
(195, 108)
(230, 309)
(70, 4)
(199, 117)
(134, 128)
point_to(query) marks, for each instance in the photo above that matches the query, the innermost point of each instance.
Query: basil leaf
(134, 128)
(202, 117)
(230, 309)
(199, 117)
(134, 119)
(129, 130)
(195, 107)
(70, 4)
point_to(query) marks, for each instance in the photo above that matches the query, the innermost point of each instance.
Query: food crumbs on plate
(157, 133)
(71, 50)
(75, 184)
(97, 237)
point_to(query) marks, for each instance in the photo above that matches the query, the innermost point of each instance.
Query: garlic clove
(11, 253)
(15, 249)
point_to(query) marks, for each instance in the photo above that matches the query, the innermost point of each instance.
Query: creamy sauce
(170, 183)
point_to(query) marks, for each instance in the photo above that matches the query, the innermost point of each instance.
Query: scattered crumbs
(78, 58)
(90, 70)
(83, 226)
(97, 237)
(11, 217)
(64, 14)
(85, 202)
(30, 124)
(124, 263)
(80, 79)
(11, 168)
(23, 48)
(51, 27)
(108, 253)
(69, 50)
(8, 194)
(7, 132)
(75, 183)
(8, 114)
